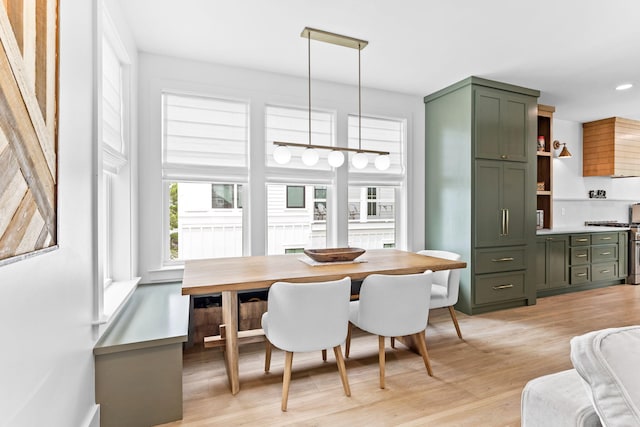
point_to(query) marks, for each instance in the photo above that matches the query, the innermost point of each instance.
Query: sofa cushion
(607, 360)
(557, 399)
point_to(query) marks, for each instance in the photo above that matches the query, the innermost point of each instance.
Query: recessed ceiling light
(624, 86)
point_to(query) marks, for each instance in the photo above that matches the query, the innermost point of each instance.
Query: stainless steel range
(634, 241)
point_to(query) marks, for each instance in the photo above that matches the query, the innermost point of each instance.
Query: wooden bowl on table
(334, 254)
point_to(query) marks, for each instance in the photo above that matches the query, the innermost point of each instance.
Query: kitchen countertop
(579, 229)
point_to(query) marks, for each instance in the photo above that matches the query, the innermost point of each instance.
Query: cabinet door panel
(514, 200)
(514, 129)
(558, 262)
(542, 281)
(487, 124)
(488, 222)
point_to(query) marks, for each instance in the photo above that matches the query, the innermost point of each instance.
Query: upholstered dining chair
(393, 306)
(303, 317)
(446, 284)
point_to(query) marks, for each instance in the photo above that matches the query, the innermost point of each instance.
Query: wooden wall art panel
(28, 126)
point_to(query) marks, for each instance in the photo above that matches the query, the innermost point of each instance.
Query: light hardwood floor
(477, 381)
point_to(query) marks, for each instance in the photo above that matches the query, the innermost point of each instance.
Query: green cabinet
(480, 145)
(501, 128)
(501, 203)
(566, 263)
(552, 261)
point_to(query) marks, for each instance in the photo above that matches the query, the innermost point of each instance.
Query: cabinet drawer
(580, 240)
(608, 271)
(495, 261)
(601, 238)
(499, 287)
(580, 275)
(604, 253)
(580, 256)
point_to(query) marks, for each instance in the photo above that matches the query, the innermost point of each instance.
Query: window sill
(115, 297)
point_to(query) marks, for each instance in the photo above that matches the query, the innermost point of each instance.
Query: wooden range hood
(611, 147)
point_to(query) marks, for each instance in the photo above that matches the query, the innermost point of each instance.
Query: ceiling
(574, 51)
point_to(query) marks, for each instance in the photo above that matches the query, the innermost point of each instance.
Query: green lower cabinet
(580, 261)
(552, 261)
(491, 288)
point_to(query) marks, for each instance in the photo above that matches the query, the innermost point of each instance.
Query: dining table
(228, 276)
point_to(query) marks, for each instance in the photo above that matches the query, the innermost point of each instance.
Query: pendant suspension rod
(359, 102)
(309, 73)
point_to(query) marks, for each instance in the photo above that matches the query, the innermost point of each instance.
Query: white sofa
(603, 389)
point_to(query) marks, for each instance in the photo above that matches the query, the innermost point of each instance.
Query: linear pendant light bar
(281, 153)
(328, 147)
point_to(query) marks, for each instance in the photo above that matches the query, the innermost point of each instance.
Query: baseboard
(93, 418)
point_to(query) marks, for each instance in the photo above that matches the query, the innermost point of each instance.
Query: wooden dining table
(227, 276)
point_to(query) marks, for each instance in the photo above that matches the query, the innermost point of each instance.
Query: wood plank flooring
(477, 381)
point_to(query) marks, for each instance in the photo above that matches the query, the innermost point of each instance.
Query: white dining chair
(446, 285)
(393, 306)
(303, 317)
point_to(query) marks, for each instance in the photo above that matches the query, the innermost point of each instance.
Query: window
(288, 228)
(298, 196)
(295, 196)
(204, 167)
(319, 203)
(226, 196)
(114, 112)
(373, 195)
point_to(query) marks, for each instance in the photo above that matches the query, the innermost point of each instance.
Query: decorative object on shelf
(564, 153)
(597, 194)
(541, 186)
(334, 254)
(539, 219)
(310, 157)
(541, 143)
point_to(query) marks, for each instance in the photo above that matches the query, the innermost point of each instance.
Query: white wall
(259, 88)
(571, 203)
(47, 302)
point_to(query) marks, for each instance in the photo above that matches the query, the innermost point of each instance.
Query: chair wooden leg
(267, 355)
(422, 346)
(393, 342)
(381, 359)
(452, 312)
(337, 350)
(348, 342)
(324, 355)
(286, 379)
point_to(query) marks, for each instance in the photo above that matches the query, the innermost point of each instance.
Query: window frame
(238, 176)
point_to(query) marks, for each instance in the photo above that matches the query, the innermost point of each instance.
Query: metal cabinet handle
(582, 240)
(581, 255)
(549, 238)
(605, 253)
(502, 259)
(502, 228)
(500, 287)
(504, 156)
(581, 274)
(605, 271)
(507, 222)
(605, 238)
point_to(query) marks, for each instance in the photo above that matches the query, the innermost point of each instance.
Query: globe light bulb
(310, 157)
(382, 162)
(359, 160)
(281, 155)
(335, 158)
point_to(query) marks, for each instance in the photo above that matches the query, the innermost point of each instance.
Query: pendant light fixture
(310, 156)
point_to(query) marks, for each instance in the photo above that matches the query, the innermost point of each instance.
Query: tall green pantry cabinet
(480, 171)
